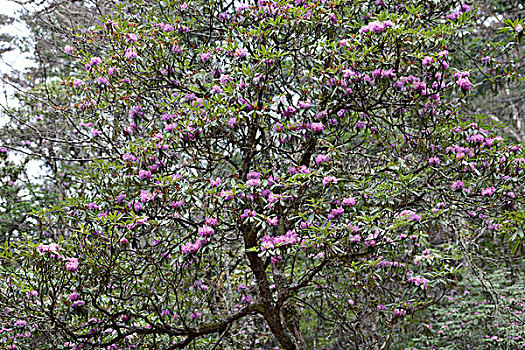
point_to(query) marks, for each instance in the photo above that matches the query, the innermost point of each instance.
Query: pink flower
(177, 204)
(48, 247)
(102, 81)
(95, 61)
(453, 15)
(144, 174)
(131, 37)
(349, 201)
(411, 215)
(464, 84)
(226, 195)
(145, 196)
(329, 180)
(216, 182)
(20, 323)
(72, 264)
(321, 158)
(317, 127)
(434, 161)
(190, 248)
(240, 53)
(232, 122)
(216, 89)
(130, 53)
(74, 296)
(206, 231)
(78, 82)
(253, 182)
(69, 49)
(458, 185)
(305, 104)
(418, 281)
(427, 61)
(253, 175)
(205, 56)
(211, 222)
(272, 198)
(248, 213)
(488, 191)
(273, 221)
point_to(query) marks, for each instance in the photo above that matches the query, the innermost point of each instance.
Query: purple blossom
(349, 201)
(130, 53)
(53, 247)
(253, 182)
(205, 56)
(146, 196)
(144, 174)
(273, 221)
(464, 84)
(321, 114)
(72, 264)
(434, 161)
(321, 158)
(248, 213)
(130, 37)
(489, 191)
(191, 248)
(102, 81)
(317, 127)
(128, 157)
(78, 303)
(418, 281)
(211, 222)
(304, 104)
(137, 206)
(177, 204)
(69, 49)
(453, 15)
(329, 180)
(427, 61)
(226, 195)
(206, 231)
(216, 182)
(223, 16)
(376, 27)
(411, 215)
(289, 111)
(95, 61)
(93, 206)
(253, 175)
(232, 122)
(20, 323)
(74, 296)
(270, 243)
(78, 82)
(458, 185)
(240, 53)
(337, 212)
(216, 89)
(361, 124)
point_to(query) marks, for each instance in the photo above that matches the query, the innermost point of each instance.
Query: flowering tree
(290, 174)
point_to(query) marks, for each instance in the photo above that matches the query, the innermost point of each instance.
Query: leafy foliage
(292, 174)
